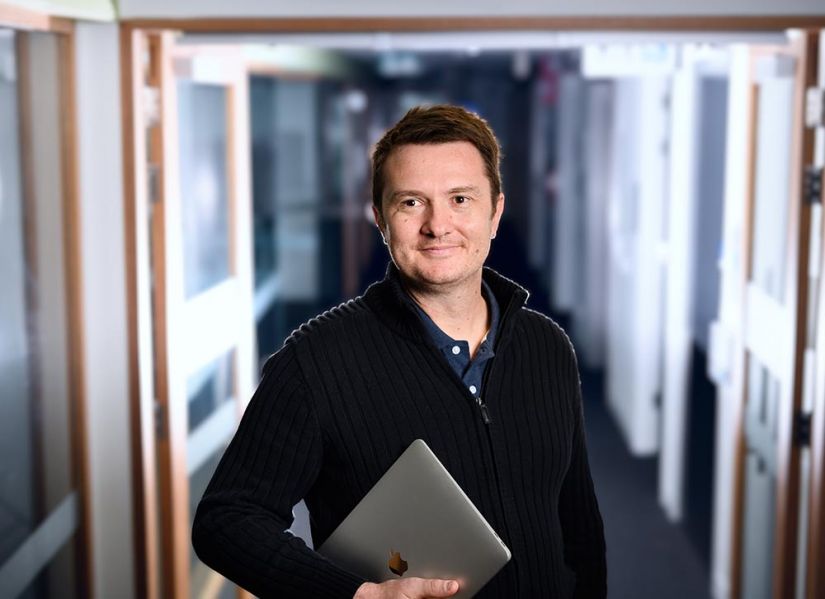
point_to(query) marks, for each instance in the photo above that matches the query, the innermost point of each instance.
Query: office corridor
(647, 556)
(182, 184)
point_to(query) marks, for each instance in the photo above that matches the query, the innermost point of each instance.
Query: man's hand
(409, 588)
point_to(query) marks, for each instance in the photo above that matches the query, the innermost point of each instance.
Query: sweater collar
(394, 308)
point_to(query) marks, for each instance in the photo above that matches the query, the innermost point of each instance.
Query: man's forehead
(459, 159)
(437, 148)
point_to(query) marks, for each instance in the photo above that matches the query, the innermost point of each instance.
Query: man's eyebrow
(413, 192)
(464, 188)
(405, 192)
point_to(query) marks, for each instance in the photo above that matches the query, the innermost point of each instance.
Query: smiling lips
(439, 250)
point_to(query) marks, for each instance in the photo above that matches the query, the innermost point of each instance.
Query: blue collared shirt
(457, 352)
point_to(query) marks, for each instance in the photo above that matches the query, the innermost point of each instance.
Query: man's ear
(379, 221)
(498, 210)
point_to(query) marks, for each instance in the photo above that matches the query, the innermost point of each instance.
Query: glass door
(774, 327)
(812, 517)
(44, 542)
(205, 358)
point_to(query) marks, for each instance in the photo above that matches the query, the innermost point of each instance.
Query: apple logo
(397, 565)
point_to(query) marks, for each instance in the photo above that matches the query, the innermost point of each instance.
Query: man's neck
(461, 311)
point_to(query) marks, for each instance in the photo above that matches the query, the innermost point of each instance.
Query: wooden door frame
(785, 549)
(139, 317)
(159, 438)
(23, 21)
(815, 580)
(796, 293)
(172, 477)
(136, 200)
(174, 63)
(692, 23)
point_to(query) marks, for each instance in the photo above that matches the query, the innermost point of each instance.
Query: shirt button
(473, 389)
(456, 350)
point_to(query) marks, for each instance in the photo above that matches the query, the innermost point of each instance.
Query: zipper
(485, 415)
(487, 420)
(482, 405)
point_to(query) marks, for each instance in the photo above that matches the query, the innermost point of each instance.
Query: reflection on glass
(264, 151)
(18, 472)
(760, 480)
(203, 185)
(771, 191)
(209, 388)
(303, 133)
(35, 439)
(57, 579)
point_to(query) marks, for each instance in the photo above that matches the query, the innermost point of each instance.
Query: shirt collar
(391, 305)
(441, 339)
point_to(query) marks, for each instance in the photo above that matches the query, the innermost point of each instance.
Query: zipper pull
(484, 413)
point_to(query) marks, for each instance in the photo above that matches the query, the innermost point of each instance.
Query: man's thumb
(441, 588)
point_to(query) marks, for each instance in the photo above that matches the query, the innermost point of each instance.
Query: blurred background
(178, 193)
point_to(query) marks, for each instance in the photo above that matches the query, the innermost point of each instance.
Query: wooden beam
(135, 198)
(74, 297)
(16, 17)
(535, 23)
(805, 49)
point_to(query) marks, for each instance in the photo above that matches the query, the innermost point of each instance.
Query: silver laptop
(416, 521)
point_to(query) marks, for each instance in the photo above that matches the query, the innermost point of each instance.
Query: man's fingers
(409, 588)
(439, 588)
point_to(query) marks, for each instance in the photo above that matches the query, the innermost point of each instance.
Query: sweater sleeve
(274, 458)
(581, 521)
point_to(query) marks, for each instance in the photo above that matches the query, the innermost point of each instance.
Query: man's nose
(438, 222)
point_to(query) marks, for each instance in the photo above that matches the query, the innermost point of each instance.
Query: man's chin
(436, 278)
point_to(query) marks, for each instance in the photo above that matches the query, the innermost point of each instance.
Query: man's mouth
(437, 250)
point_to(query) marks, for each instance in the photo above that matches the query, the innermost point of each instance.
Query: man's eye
(461, 199)
(409, 203)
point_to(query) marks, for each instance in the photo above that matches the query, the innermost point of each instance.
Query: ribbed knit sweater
(346, 395)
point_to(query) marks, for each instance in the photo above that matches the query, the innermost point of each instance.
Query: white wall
(104, 308)
(373, 8)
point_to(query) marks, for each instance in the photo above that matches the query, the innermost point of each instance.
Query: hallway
(182, 184)
(647, 557)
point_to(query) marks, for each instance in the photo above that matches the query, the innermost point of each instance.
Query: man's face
(437, 215)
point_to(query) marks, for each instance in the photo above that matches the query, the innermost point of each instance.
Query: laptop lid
(416, 521)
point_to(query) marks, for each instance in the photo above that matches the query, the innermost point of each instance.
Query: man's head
(437, 124)
(437, 196)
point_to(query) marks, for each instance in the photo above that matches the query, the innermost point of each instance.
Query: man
(442, 349)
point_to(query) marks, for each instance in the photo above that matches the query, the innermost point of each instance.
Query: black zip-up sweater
(347, 394)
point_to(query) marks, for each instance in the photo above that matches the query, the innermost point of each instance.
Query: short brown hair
(442, 123)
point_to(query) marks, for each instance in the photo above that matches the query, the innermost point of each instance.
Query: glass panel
(771, 190)
(264, 146)
(18, 509)
(209, 388)
(760, 480)
(57, 579)
(204, 196)
(35, 432)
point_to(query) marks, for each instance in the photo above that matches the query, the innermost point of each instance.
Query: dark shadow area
(647, 556)
(701, 449)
